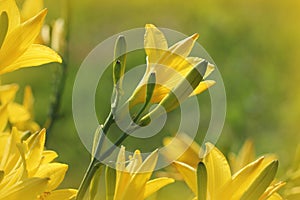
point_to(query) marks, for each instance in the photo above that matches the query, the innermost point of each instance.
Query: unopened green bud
(119, 60)
(149, 92)
(3, 27)
(202, 181)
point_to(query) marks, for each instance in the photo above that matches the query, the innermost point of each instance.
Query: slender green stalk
(94, 164)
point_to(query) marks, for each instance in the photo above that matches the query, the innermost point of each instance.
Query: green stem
(94, 164)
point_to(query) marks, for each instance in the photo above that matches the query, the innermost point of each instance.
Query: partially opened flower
(177, 75)
(27, 171)
(212, 179)
(133, 180)
(17, 48)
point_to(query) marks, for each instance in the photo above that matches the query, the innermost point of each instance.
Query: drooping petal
(156, 184)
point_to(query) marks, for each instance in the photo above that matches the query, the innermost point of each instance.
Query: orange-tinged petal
(20, 39)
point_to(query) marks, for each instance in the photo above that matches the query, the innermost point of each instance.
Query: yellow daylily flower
(17, 48)
(133, 176)
(171, 66)
(292, 176)
(27, 171)
(20, 116)
(212, 179)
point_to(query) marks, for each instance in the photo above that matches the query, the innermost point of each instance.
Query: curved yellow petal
(189, 175)
(35, 55)
(28, 189)
(55, 172)
(20, 39)
(63, 194)
(204, 85)
(184, 47)
(10, 7)
(156, 184)
(48, 156)
(154, 43)
(218, 169)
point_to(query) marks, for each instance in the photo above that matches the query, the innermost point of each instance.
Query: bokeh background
(254, 43)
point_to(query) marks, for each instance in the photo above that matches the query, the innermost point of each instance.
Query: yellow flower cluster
(27, 170)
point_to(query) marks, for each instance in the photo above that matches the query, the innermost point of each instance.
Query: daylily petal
(218, 169)
(28, 189)
(204, 85)
(48, 156)
(10, 7)
(155, 43)
(55, 172)
(156, 184)
(17, 113)
(272, 190)
(17, 42)
(184, 144)
(63, 194)
(184, 47)
(189, 175)
(35, 55)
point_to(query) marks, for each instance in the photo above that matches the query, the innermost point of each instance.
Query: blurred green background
(255, 45)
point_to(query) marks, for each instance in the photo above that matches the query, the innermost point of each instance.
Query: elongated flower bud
(119, 61)
(202, 181)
